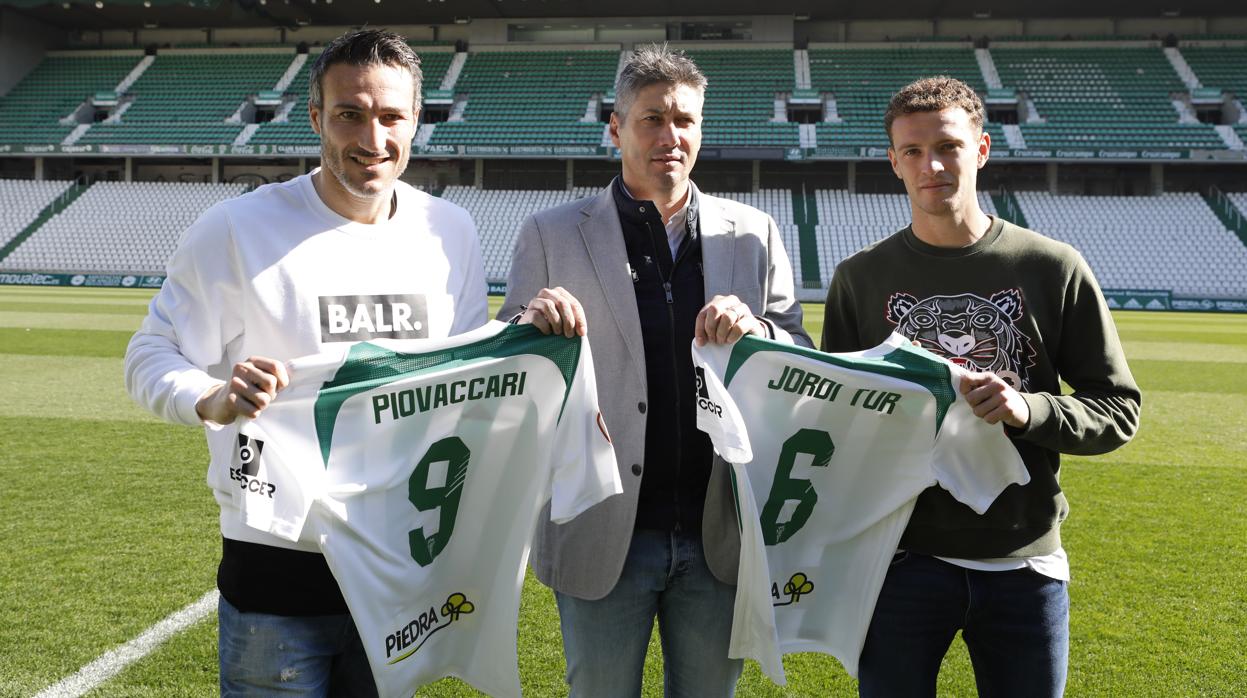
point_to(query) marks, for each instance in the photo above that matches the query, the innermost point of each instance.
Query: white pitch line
(111, 663)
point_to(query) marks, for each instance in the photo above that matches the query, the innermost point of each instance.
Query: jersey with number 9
(420, 468)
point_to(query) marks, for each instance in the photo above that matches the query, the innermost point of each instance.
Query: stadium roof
(126, 14)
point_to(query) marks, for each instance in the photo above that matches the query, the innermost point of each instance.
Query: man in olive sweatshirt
(1023, 312)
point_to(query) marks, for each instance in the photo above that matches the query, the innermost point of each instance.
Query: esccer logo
(249, 450)
(798, 585)
(359, 318)
(422, 627)
(703, 394)
(128, 281)
(78, 280)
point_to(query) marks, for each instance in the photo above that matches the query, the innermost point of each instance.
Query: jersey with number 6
(421, 467)
(829, 454)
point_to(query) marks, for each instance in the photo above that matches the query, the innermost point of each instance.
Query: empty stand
(21, 201)
(743, 85)
(519, 98)
(296, 130)
(498, 214)
(186, 98)
(848, 222)
(1101, 98)
(1220, 66)
(31, 112)
(1173, 241)
(863, 80)
(119, 227)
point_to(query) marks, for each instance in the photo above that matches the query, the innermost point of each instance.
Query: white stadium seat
(22, 200)
(1173, 241)
(119, 227)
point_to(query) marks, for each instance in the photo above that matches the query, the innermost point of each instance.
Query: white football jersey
(420, 467)
(829, 454)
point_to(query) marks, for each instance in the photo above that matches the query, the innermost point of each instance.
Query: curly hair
(935, 94)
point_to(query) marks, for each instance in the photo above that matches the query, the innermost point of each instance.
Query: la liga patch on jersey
(976, 333)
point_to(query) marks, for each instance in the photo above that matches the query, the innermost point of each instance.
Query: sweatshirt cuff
(190, 388)
(1040, 414)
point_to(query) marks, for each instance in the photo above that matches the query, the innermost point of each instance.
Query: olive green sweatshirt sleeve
(1102, 412)
(840, 323)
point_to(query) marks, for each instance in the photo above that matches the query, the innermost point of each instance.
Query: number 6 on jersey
(455, 453)
(785, 488)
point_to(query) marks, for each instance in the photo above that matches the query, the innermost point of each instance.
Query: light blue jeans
(664, 576)
(1015, 625)
(268, 655)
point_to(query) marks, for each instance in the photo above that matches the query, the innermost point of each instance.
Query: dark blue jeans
(1015, 625)
(267, 655)
(664, 576)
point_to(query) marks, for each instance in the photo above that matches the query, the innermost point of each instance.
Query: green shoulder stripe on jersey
(369, 366)
(907, 363)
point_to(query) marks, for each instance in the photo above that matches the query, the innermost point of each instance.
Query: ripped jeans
(266, 655)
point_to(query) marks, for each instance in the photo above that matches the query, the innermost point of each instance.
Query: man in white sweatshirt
(345, 253)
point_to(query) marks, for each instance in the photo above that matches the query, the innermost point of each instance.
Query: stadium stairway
(1227, 212)
(1009, 208)
(805, 215)
(60, 203)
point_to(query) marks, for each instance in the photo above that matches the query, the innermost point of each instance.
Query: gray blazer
(580, 247)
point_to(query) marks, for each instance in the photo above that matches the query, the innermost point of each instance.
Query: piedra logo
(422, 627)
(798, 585)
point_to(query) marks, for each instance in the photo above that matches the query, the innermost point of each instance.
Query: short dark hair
(650, 64)
(935, 94)
(365, 47)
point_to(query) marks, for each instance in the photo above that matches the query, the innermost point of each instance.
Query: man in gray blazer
(646, 267)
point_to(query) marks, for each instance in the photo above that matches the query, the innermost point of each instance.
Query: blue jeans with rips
(269, 655)
(1015, 625)
(665, 576)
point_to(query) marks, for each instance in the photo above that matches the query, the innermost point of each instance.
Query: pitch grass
(108, 526)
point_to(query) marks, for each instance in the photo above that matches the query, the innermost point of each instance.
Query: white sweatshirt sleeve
(170, 361)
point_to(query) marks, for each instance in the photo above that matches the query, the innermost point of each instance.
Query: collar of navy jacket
(603, 237)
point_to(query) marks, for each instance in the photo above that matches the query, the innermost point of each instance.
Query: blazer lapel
(603, 237)
(718, 242)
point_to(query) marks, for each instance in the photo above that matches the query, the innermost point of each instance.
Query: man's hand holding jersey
(723, 320)
(252, 386)
(994, 400)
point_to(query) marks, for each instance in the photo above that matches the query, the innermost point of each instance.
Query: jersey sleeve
(972, 459)
(584, 470)
(717, 413)
(279, 466)
(755, 634)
